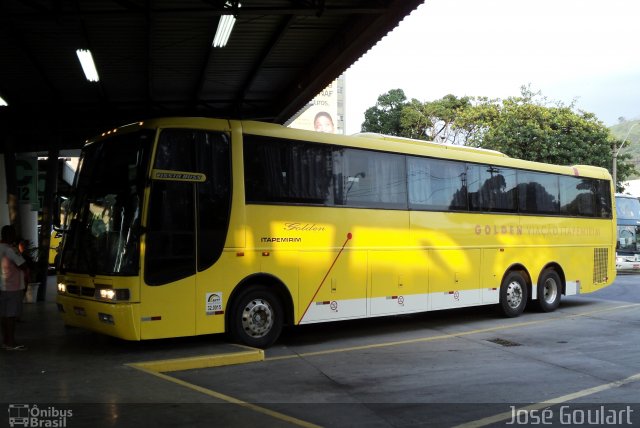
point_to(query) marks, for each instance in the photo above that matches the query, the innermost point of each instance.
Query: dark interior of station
(158, 59)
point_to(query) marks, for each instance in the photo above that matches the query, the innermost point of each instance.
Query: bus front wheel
(256, 317)
(513, 294)
(549, 291)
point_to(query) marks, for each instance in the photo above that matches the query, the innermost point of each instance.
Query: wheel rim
(514, 294)
(550, 290)
(257, 318)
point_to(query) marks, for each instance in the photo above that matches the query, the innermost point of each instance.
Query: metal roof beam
(149, 61)
(213, 11)
(15, 34)
(278, 35)
(340, 52)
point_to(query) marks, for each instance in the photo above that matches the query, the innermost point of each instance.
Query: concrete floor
(435, 369)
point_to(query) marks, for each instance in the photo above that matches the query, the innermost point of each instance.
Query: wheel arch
(269, 280)
(518, 267)
(558, 269)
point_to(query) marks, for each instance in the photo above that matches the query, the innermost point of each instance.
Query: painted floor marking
(547, 403)
(250, 355)
(158, 368)
(206, 361)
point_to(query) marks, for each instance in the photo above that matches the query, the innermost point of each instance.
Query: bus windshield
(103, 221)
(628, 211)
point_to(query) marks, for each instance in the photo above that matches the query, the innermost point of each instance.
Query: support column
(4, 208)
(12, 185)
(50, 191)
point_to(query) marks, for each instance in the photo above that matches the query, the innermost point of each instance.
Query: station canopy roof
(155, 58)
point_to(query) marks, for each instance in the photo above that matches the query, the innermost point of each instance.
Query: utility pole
(616, 152)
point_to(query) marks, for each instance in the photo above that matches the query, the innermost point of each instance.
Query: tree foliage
(384, 117)
(628, 131)
(526, 127)
(435, 120)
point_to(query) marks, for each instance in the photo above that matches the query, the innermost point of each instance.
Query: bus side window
(577, 196)
(170, 238)
(538, 193)
(491, 188)
(436, 184)
(374, 179)
(214, 196)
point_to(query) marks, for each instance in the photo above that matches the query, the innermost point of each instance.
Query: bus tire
(549, 290)
(256, 317)
(513, 294)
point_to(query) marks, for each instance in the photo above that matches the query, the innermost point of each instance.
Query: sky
(582, 50)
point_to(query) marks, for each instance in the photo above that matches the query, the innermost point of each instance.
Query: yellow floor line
(201, 362)
(547, 403)
(158, 368)
(227, 398)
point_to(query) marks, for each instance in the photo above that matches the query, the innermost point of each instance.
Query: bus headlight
(62, 288)
(118, 294)
(107, 293)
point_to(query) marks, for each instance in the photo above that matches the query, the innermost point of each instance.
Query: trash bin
(31, 296)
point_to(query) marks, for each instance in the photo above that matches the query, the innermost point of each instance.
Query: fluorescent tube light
(88, 66)
(225, 26)
(3, 103)
(224, 31)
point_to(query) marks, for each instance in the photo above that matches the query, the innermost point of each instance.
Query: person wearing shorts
(11, 288)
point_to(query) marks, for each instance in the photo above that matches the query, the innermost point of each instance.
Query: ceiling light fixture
(88, 66)
(3, 103)
(225, 26)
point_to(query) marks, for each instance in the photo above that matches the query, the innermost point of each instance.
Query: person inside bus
(323, 123)
(11, 287)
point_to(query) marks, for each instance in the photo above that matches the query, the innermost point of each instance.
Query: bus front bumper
(113, 319)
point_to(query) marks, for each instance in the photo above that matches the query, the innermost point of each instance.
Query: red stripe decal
(349, 236)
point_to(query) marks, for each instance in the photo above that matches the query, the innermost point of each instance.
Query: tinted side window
(538, 193)
(170, 239)
(287, 171)
(177, 209)
(492, 188)
(176, 150)
(373, 179)
(577, 196)
(436, 184)
(603, 201)
(214, 196)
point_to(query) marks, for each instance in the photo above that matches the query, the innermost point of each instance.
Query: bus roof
(431, 143)
(371, 141)
(422, 148)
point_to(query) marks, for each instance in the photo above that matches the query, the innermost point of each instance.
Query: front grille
(88, 291)
(600, 265)
(73, 289)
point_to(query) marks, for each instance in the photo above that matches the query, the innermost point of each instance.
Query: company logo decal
(214, 303)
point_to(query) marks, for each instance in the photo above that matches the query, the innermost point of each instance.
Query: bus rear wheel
(256, 317)
(513, 294)
(549, 290)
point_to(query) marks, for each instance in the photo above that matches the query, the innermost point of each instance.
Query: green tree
(435, 120)
(629, 132)
(529, 127)
(526, 127)
(384, 117)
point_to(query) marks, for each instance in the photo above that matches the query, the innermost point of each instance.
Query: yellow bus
(191, 226)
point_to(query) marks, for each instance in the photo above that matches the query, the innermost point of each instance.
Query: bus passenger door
(187, 222)
(167, 306)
